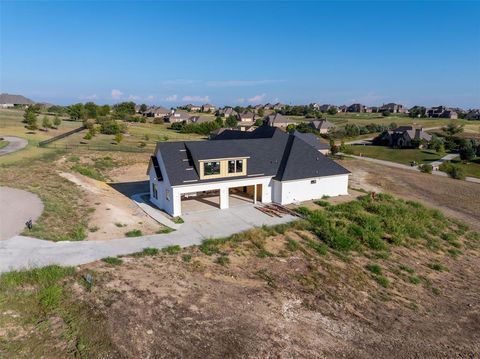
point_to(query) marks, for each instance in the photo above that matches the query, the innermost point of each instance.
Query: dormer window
(211, 168)
(223, 168)
(235, 166)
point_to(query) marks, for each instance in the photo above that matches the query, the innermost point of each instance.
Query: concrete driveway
(14, 144)
(17, 207)
(25, 252)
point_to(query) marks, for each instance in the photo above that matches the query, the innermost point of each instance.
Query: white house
(267, 165)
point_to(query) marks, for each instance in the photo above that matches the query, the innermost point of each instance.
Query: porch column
(224, 192)
(255, 194)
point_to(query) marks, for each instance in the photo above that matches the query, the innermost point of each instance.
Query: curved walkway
(17, 207)
(14, 144)
(22, 252)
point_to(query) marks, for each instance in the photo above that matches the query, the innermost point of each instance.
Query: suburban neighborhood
(165, 198)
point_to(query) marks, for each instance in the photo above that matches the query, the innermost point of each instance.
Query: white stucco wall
(304, 190)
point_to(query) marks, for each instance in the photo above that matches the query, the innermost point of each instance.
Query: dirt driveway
(17, 207)
(458, 199)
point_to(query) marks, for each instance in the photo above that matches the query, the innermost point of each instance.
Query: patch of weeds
(449, 237)
(263, 253)
(292, 245)
(406, 268)
(89, 172)
(78, 233)
(320, 248)
(454, 252)
(473, 236)
(120, 225)
(164, 230)
(382, 280)
(172, 249)
(439, 267)
(211, 246)
(435, 291)
(322, 203)
(187, 258)
(133, 233)
(266, 277)
(149, 251)
(73, 159)
(112, 261)
(380, 255)
(414, 279)
(374, 268)
(178, 220)
(94, 229)
(222, 260)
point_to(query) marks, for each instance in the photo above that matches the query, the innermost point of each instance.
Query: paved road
(25, 252)
(14, 144)
(405, 167)
(17, 207)
(448, 157)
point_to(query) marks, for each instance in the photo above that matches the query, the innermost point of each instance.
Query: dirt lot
(287, 307)
(455, 198)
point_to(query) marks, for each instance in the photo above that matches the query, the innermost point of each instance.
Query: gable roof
(314, 141)
(283, 156)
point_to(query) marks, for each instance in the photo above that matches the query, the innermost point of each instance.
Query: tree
(46, 123)
(468, 151)
(290, 127)
(91, 110)
(231, 121)
(258, 122)
(417, 111)
(219, 121)
(452, 129)
(118, 137)
(103, 110)
(426, 168)
(76, 111)
(454, 171)
(143, 107)
(57, 121)
(386, 113)
(261, 112)
(30, 118)
(437, 144)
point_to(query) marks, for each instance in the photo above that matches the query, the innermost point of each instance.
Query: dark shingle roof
(280, 155)
(312, 140)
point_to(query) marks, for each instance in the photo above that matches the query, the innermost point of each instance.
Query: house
(199, 119)
(356, 107)
(157, 112)
(246, 117)
(441, 112)
(177, 116)
(278, 120)
(327, 107)
(322, 126)
(404, 136)
(342, 108)
(266, 165)
(473, 115)
(315, 106)
(226, 112)
(278, 106)
(268, 106)
(392, 108)
(316, 142)
(208, 108)
(7, 100)
(191, 107)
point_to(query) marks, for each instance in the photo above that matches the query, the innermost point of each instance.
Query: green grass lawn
(403, 156)
(472, 169)
(3, 143)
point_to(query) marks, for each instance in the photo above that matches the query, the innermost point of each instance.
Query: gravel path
(17, 207)
(14, 144)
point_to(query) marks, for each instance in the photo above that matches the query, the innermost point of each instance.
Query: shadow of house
(128, 189)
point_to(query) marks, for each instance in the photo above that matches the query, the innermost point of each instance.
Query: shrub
(374, 268)
(437, 266)
(88, 171)
(383, 281)
(187, 258)
(322, 203)
(134, 233)
(149, 251)
(292, 245)
(222, 260)
(112, 260)
(172, 249)
(407, 268)
(414, 279)
(454, 171)
(165, 230)
(88, 136)
(426, 168)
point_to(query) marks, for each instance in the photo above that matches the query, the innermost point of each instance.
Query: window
(154, 190)
(239, 166)
(235, 166)
(313, 181)
(231, 166)
(167, 194)
(211, 168)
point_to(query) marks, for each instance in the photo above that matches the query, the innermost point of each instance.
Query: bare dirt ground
(291, 307)
(458, 199)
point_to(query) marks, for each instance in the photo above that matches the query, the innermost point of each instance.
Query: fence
(59, 137)
(69, 146)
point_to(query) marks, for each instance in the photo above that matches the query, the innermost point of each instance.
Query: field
(328, 286)
(404, 156)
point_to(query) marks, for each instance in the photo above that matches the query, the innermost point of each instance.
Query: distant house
(327, 107)
(268, 106)
(7, 100)
(322, 126)
(393, 108)
(278, 106)
(191, 107)
(278, 120)
(316, 142)
(356, 107)
(441, 112)
(473, 115)
(177, 116)
(157, 112)
(199, 119)
(315, 106)
(342, 108)
(208, 108)
(403, 136)
(226, 112)
(246, 117)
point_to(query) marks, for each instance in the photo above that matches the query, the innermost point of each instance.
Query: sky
(242, 52)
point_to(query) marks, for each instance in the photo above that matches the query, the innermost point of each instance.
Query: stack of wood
(276, 210)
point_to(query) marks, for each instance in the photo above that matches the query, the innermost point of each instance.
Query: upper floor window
(235, 166)
(211, 168)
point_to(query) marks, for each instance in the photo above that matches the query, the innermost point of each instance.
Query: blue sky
(415, 52)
